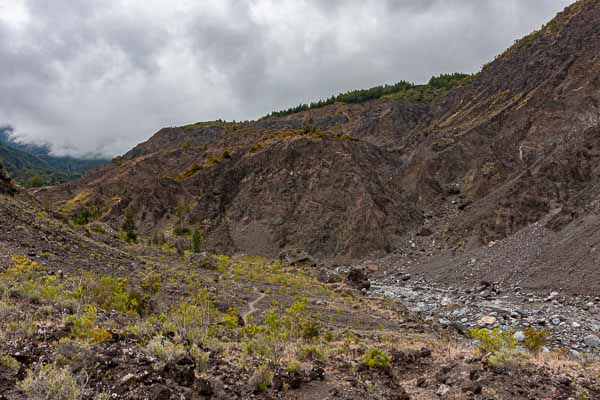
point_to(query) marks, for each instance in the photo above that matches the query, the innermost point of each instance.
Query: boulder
(204, 261)
(294, 256)
(6, 184)
(160, 392)
(181, 371)
(592, 341)
(424, 232)
(358, 279)
(487, 320)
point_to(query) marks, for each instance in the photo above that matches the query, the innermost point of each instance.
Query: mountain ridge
(475, 165)
(33, 165)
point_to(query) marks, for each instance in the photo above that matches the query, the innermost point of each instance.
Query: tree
(197, 239)
(36, 181)
(129, 227)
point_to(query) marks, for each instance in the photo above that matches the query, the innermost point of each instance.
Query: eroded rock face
(6, 184)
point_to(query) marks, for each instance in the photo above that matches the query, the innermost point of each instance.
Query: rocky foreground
(163, 325)
(573, 322)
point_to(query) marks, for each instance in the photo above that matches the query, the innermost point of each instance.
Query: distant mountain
(32, 165)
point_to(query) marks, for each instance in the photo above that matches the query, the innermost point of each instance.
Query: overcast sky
(103, 75)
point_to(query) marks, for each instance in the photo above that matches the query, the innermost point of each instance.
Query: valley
(433, 241)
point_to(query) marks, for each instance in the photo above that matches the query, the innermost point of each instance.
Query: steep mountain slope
(33, 165)
(513, 146)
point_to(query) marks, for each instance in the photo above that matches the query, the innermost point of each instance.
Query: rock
(424, 232)
(204, 387)
(372, 268)
(564, 380)
(6, 184)
(470, 386)
(326, 276)
(317, 373)
(552, 296)
(401, 394)
(487, 320)
(127, 378)
(575, 324)
(592, 341)
(294, 256)
(358, 279)
(442, 390)
(425, 352)
(204, 261)
(160, 392)
(405, 277)
(421, 382)
(181, 371)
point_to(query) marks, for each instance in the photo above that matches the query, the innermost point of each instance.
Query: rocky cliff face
(516, 145)
(6, 184)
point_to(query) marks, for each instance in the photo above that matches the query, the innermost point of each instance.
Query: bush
(129, 228)
(200, 357)
(535, 340)
(193, 322)
(51, 383)
(262, 379)
(84, 326)
(197, 239)
(165, 350)
(309, 352)
(493, 340)
(231, 318)
(110, 293)
(376, 358)
(506, 357)
(10, 363)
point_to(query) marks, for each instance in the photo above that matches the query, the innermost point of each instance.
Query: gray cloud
(100, 76)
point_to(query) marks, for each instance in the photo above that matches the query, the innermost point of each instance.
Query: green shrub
(310, 330)
(85, 216)
(109, 293)
(84, 326)
(51, 383)
(376, 358)
(506, 357)
(493, 340)
(535, 339)
(309, 352)
(197, 239)
(293, 367)
(195, 321)
(231, 318)
(200, 357)
(262, 379)
(10, 363)
(165, 350)
(151, 283)
(128, 227)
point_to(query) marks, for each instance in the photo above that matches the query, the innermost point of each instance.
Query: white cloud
(101, 76)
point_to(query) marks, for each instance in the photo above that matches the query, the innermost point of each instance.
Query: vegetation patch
(402, 90)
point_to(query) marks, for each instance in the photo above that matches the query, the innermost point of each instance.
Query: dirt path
(252, 306)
